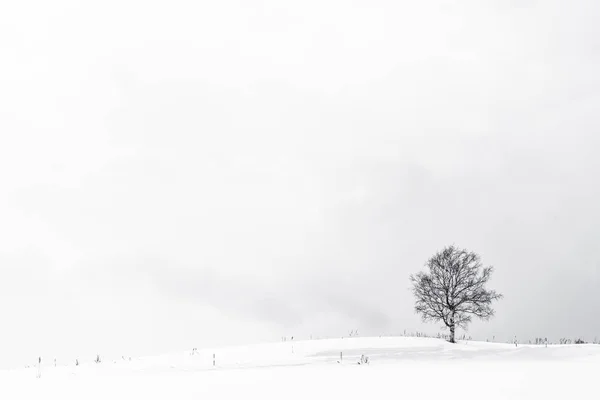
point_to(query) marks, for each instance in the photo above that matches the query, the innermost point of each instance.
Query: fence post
(341, 357)
(214, 360)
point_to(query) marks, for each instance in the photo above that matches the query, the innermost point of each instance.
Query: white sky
(180, 174)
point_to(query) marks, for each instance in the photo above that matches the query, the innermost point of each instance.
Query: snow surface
(419, 368)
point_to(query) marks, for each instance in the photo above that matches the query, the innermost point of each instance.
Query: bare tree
(453, 290)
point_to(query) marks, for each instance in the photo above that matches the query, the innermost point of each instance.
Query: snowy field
(399, 367)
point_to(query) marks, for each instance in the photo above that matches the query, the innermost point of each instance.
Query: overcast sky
(178, 174)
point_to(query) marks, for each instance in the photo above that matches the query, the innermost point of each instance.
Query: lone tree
(453, 290)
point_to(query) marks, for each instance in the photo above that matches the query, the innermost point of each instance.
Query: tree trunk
(452, 329)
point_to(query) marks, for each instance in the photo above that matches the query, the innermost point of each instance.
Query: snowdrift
(398, 366)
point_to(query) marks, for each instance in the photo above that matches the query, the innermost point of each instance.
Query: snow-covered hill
(327, 369)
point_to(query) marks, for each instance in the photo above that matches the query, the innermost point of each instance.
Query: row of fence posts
(214, 361)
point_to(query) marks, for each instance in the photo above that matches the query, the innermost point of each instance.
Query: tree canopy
(453, 289)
